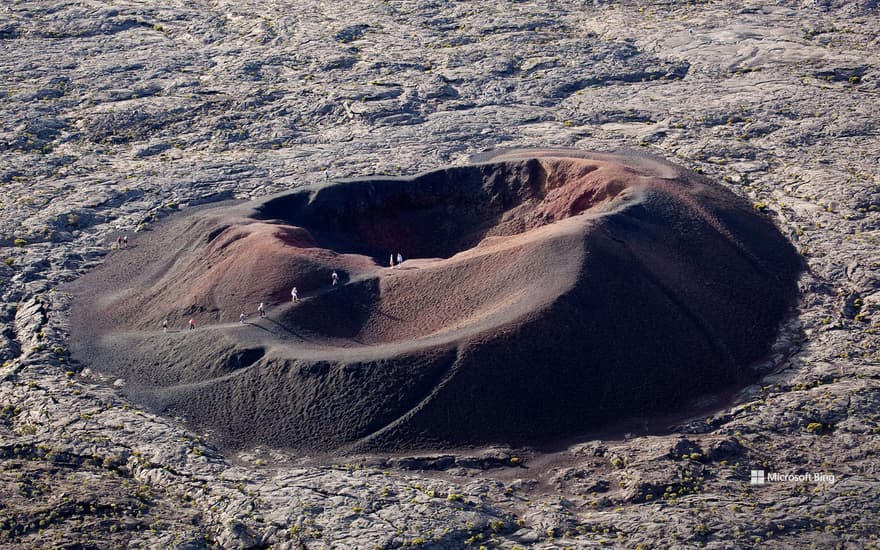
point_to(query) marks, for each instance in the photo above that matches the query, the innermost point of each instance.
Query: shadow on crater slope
(545, 293)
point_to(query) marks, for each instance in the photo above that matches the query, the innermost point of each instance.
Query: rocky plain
(117, 114)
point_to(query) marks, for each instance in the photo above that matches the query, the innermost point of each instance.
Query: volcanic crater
(544, 293)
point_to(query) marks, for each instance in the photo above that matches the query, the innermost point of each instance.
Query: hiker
(334, 278)
(293, 296)
(241, 318)
(399, 258)
(165, 325)
(391, 261)
(124, 241)
(192, 324)
(261, 310)
(118, 242)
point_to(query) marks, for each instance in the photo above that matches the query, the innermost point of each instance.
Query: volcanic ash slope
(545, 293)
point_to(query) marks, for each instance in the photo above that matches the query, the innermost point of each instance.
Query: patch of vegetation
(818, 428)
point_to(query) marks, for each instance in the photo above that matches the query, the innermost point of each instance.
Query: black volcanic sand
(545, 293)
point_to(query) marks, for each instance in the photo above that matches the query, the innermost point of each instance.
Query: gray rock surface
(115, 114)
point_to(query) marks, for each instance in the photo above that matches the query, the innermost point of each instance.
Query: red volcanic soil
(545, 293)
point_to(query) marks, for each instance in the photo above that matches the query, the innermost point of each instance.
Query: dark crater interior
(453, 211)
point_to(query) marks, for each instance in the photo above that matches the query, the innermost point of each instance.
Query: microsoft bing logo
(760, 477)
(757, 477)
